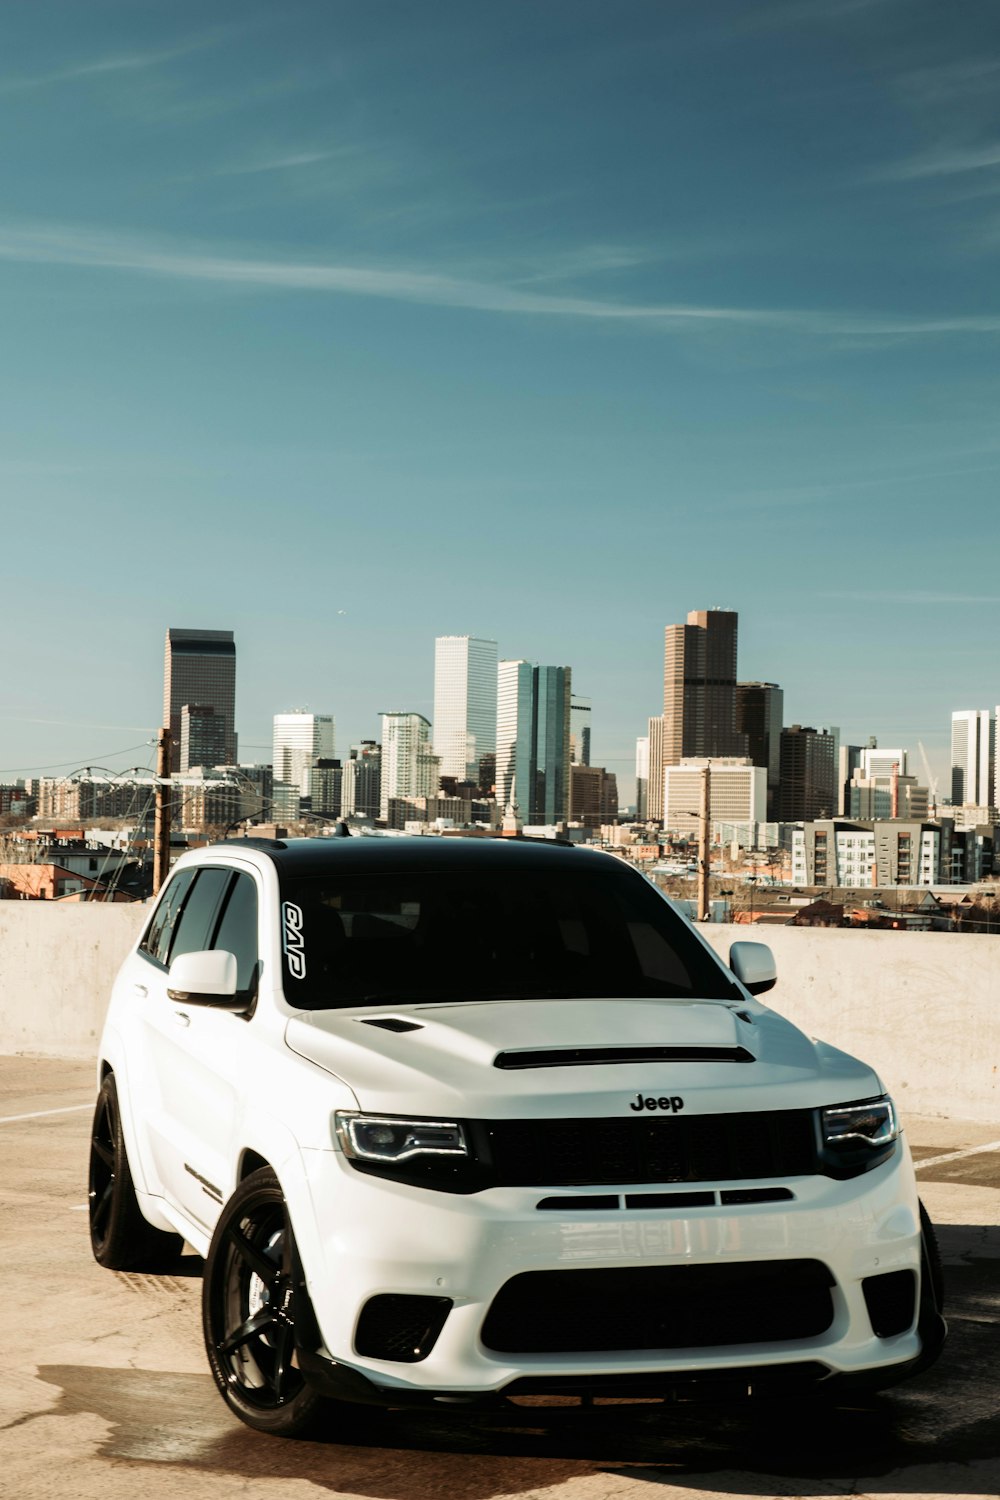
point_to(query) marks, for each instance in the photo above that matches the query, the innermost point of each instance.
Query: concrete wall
(57, 964)
(921, 1007)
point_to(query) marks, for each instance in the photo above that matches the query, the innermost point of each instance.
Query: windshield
(484, 935)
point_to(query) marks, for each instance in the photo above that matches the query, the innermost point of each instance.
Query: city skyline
(311, 336)
(938, 741)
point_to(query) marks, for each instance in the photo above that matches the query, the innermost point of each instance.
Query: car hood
(558, 1058)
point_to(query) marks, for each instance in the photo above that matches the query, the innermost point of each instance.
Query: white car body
(208, 1094)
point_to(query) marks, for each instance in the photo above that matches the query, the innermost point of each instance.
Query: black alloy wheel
(120, 1237)
(253, 1294)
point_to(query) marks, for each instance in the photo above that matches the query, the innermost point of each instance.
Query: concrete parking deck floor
(104, 1389)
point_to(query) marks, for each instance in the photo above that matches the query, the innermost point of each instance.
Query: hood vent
(577, 1057)
(391, 1023)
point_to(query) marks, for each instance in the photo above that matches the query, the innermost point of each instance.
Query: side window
(156, 943)
(193, 932)
(238, 930)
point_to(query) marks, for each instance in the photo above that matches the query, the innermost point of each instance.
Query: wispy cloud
(65, 245)
(120, 62)
(908, 596)
(279, 163)
(786, 12)
(950, 162)
(945, 82)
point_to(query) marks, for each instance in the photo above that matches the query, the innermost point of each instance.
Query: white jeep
(456, 1119)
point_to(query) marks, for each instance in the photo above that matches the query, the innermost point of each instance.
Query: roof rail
(252, 843)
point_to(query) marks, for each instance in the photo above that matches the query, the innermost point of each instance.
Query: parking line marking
(43, 1114)
(937, 1161)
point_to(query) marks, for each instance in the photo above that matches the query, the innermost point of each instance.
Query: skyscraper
(808, 774)
(199, 668)
(654, 788)
(300, 739)
(973, 732)
(362, 780)
(759, 712)
(465, 704)
(533, 733)
(699, 687)
(409, 766)
(203, 736)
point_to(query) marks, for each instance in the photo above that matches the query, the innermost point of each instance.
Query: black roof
(321, 856)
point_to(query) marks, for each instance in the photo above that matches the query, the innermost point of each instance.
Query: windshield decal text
(292, 941)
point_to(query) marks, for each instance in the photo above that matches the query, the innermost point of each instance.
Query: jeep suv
(452, 1120)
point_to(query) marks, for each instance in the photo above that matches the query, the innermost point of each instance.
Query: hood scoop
(391, 1023)
(576, 1057)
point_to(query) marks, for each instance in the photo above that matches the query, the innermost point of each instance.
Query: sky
(344, 326)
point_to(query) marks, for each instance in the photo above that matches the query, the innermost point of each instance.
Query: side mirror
(207, 978)
(753, 965)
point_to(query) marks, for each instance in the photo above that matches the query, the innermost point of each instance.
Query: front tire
(120, 1237)
(253, 1292)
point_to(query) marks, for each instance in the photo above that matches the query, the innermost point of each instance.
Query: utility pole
(704, 865)
(161, 824)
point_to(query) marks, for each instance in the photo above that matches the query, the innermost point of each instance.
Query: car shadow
(938, 1434)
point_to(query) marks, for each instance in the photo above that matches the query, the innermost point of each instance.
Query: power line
(59, 764)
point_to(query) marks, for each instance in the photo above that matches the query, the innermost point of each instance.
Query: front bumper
(373, 1238)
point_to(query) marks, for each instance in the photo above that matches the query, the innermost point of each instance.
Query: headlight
(856, 1137)
(383, 1138)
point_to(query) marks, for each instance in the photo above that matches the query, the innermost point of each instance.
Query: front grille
(659, 1307)
(654, 1149)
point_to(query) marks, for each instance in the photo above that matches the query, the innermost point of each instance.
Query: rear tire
(253, 1295)
(120, 1237)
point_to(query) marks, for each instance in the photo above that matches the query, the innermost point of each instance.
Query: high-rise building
(642, 778)
(579, 731)
(409, 766)
(808, 774)
(848, 761)
(737, 792)
(759, 711)
(654, 790)
(533, 733)
(361, 787)
(973, 734)
(465, 704)
(326, 780)
(203, 736)
(699, 687)
(593, 795)
(199, 667)
(300, 739)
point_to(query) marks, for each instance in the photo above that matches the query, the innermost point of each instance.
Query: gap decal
(292, 941)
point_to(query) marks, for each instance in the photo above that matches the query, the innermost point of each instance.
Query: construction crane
(932, 781)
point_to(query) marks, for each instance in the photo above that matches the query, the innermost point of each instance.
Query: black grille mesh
(653, 1149)
(659, 1307)
(400, 1327)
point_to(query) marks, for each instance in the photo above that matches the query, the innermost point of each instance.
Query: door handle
(182, 1018)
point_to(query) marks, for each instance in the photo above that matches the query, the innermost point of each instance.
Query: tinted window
(481, 935)
(238, 930)
(156, 943)
(193, 932)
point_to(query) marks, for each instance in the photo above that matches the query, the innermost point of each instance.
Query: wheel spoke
(248, 1330)
(101, 1208)
(104, 1152)
(283, 1374)
(255, 1259)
